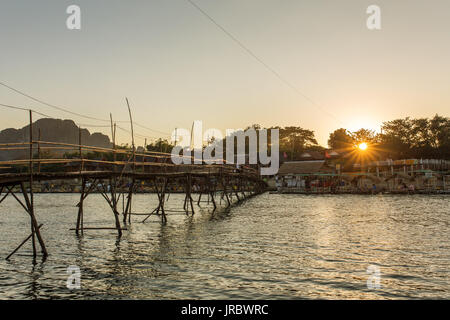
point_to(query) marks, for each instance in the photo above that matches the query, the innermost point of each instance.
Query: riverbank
(423, 192)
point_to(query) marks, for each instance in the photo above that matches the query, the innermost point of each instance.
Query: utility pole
(176, 136)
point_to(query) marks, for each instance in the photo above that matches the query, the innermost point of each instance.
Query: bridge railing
(49, 156)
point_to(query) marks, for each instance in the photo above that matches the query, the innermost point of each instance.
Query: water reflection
(272, 247)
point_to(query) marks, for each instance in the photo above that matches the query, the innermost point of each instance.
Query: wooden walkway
(117, 180)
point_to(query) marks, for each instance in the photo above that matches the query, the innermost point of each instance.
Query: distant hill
(52, 130)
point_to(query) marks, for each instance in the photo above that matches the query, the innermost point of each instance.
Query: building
(392, 176)
(305, 176)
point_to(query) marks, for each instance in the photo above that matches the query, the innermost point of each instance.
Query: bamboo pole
(22, 243)
(39, 151)
(189, 178)
(61, 145)
(127, 209)
(113, 204)
(31, 204)
(162, 200)
(80, 208)
(80, 150)
(132, 136)
(33, 219)
(113, 137)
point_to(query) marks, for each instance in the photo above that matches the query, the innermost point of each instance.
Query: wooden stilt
(22, 243)
(31, 200)
(7, 193)
(187, 198)
(114, 205)
(162, 200)
(80, 208)
(191, 201)
(225, 192)
(128, 205)
(213, 201)
(188, 194)
(185, 203)
(158, 193)
(35, 229)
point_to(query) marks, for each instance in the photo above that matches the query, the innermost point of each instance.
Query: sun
(362, 146)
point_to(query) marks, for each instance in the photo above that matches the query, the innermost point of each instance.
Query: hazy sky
(176, 66)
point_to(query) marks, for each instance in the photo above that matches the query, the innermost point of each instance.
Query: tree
(417, 138)
(340, 139)
(295, 140)
(160, 145)
(439, 128)
(364, 135)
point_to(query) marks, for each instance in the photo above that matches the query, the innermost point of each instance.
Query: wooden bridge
(117, 174)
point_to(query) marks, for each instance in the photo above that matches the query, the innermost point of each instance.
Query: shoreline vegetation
(407, 138)
(407, 156)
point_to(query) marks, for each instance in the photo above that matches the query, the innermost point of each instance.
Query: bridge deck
(15, 178)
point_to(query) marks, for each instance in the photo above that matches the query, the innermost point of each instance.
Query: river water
(269, 247)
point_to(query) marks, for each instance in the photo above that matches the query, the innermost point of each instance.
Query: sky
(313, 64)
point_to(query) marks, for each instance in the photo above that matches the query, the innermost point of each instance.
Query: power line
(71, 112)
(144, 127)
(49, 104)
(253, 55)
(78, 124)
(24, 109)
(14, 107)
(40, 113)
(136, 134)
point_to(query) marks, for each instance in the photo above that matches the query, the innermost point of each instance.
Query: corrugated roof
(303, 167)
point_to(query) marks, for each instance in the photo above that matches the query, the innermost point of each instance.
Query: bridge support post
(161, 193)
(127, 211)
(213, 200)
(212, 193)
(188, 192)
(28, 206)
(162, 200)
(34, 224)
(188, 198)
(80, 208)
(225, 191)
(84, 193)
(113, 203)
(199, 198)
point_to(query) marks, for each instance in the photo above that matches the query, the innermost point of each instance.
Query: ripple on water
(270, 247)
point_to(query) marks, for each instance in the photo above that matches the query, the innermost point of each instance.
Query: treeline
(401, 138)
(427, 138)
(294, 141)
